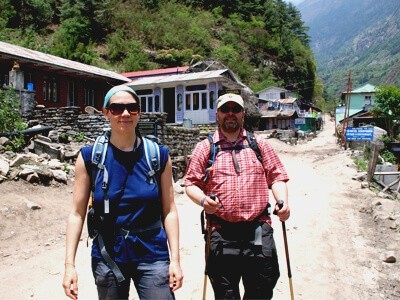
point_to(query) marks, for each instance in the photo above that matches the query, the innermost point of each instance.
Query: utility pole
(346, 110)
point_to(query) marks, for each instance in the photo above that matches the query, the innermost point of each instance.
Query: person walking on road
(138, 228)
(233, 189)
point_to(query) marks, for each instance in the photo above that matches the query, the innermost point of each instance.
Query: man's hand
(282, 210)
(211, 204)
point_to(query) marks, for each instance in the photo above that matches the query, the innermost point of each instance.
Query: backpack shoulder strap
(100, 149)
(211, 158)
(152, 153)
(99, 153)
(251, 139)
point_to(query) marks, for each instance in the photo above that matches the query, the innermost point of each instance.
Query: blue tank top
(134, 203)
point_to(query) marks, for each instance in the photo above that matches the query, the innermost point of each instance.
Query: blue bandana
(117, 89)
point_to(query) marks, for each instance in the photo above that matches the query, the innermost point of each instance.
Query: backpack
(214, 149)
(99, 152)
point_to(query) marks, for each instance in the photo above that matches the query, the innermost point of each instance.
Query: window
(367, 100)
(72, 94)
(4, 80)
(157, 103)
(188, 102)
(203, 101)
(150, 103)
(50, 90)
(211, 104)
(27, 80)
(196, 101)
(89, 97)
(196, 97)
(143, 106)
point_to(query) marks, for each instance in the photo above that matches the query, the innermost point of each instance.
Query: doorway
(169, 104)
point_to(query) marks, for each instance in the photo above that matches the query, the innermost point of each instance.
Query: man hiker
(230, 175)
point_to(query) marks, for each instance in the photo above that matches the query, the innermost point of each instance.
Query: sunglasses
(235, 109)
(118, 108)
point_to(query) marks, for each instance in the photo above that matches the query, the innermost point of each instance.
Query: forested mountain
(264, 41)
(358, 35)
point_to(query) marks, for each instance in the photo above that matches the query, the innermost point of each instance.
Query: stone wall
(71, 122)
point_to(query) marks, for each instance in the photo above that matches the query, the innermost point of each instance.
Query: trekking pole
(206, 231)
(280, 205)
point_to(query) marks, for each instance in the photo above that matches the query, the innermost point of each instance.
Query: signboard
(300, 121)
(360, 133)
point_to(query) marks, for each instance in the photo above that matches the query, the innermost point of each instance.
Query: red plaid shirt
(244, 194)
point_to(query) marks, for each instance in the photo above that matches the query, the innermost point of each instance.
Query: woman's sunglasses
(118, 108)
(235, 109)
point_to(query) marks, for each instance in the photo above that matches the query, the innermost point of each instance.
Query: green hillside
(264, 42)
(358, 35)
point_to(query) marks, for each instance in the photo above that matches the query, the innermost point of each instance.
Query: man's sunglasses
(235, 109)
(118, 108)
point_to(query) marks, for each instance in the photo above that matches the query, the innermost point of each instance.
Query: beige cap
(230, 97)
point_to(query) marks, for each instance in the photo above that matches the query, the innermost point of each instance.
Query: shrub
(10, 119)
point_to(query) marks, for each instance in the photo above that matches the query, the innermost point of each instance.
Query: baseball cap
(116, 89)
(230, 98)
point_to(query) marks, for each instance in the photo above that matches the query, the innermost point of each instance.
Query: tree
(387, 106)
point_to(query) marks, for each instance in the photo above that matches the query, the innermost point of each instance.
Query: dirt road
(335, 246)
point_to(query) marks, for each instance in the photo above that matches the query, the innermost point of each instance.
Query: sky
(295, 2)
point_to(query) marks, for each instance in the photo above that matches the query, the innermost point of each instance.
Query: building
(272, 94)
(44, 79)
(359, 100)
(185, 96)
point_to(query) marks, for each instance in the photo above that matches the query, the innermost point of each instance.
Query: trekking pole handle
(280, 205)
(212, 196)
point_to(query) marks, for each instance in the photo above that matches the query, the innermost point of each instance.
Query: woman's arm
(171, 225)
(75, 223)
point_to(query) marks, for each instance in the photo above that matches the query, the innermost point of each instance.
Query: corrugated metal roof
(17, 52)
(277, 113)
(156, 72)
(168, 80)
(287, 100)
(367, 88)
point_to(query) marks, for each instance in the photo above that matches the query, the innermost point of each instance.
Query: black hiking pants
(234, 256)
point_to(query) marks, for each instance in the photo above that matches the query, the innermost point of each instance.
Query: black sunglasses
(118, 108)
(235, 109)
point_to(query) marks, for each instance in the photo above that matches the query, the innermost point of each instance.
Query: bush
(388, 156)
(10, 119)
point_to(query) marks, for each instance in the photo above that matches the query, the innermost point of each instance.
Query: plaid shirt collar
(219, 136)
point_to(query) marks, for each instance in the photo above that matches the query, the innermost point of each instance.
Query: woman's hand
(175, 276)
(70, 282)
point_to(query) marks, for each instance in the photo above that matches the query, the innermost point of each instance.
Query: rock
(377, 203)
(4, 167)
(60, 176)
(18, 161)
(383, 195)
(364, 185)
(389, 258)
(31, 205)
(33, 178)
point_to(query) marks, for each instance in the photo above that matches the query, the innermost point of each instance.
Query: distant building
(360, 100)
(272, 94)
